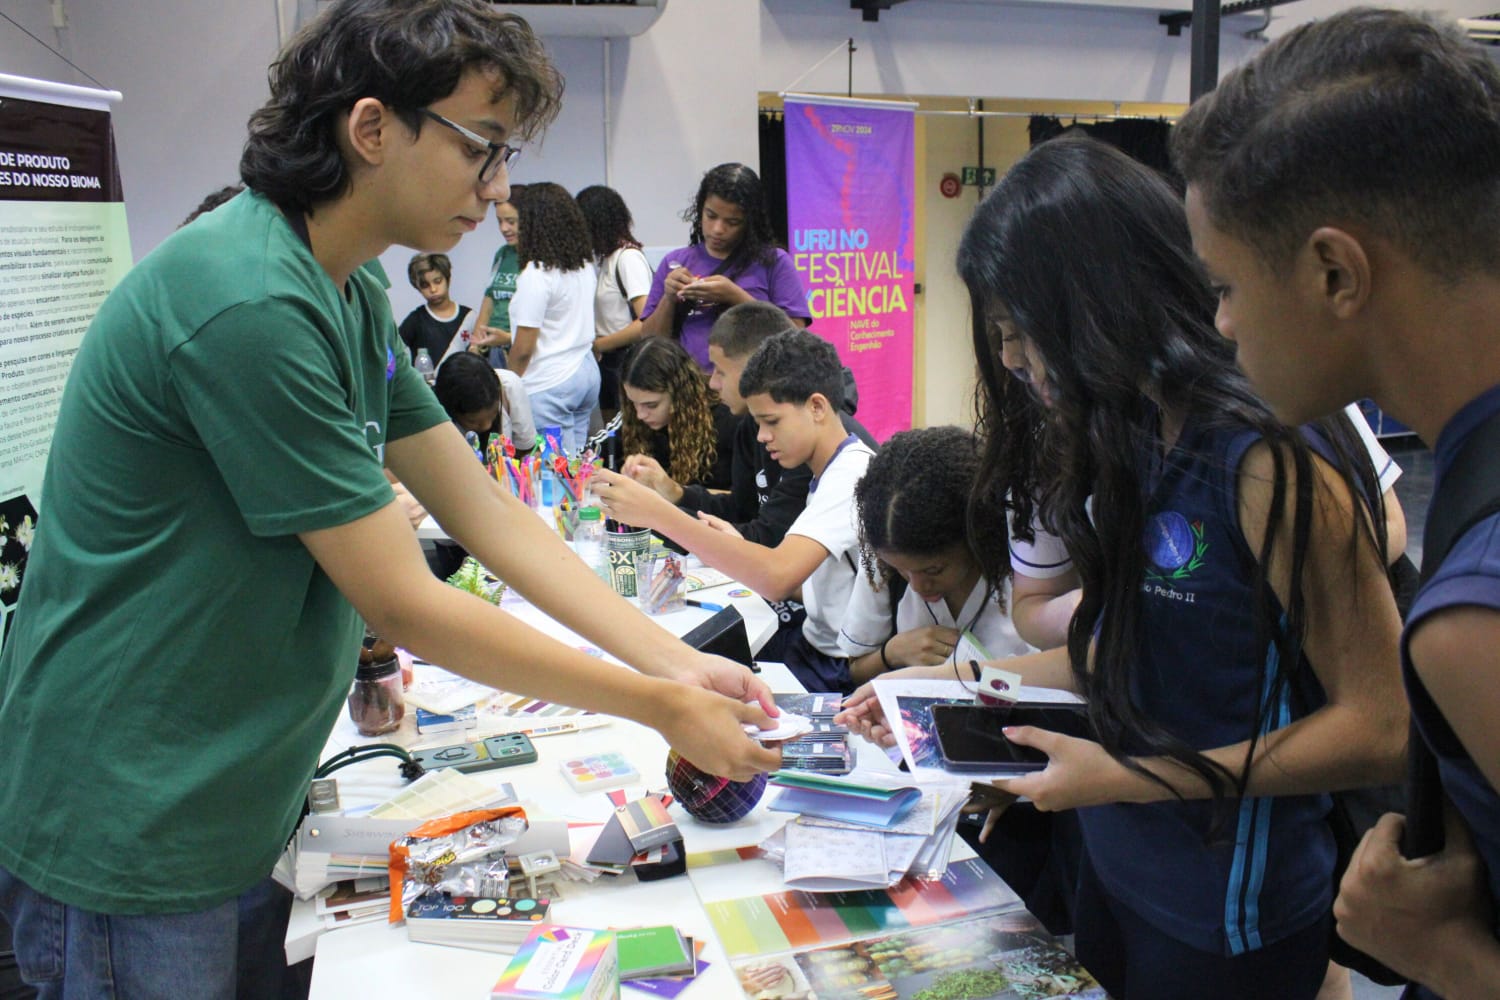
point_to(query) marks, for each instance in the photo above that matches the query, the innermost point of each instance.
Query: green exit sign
(975, 176)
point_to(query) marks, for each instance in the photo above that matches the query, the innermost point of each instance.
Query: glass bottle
(376, 704)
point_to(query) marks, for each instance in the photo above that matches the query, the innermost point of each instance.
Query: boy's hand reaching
(648, 472)
(626, 500)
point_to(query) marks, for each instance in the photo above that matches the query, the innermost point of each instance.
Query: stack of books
(482, 922)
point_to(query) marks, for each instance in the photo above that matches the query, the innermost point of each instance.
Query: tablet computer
(969, 737)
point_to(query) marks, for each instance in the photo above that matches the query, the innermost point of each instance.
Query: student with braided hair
(920, 585)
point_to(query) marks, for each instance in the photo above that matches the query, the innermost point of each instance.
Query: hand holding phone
(971, 737)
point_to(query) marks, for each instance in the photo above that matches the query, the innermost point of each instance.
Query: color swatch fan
(709, 797)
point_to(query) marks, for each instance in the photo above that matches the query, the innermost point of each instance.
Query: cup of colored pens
(660, 583)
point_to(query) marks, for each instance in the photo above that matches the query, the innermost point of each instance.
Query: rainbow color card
(562, 963)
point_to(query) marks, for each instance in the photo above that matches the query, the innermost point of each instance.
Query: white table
(760, 621)
(376, 961)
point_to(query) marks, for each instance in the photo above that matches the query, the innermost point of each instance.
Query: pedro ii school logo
(1174, 547)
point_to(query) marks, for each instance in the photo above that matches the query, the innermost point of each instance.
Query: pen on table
(705, 605)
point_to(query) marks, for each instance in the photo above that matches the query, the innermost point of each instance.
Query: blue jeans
(568, 405)
(230, 950)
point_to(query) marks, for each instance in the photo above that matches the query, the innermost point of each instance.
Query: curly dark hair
(738, 185)
(657, 364)
(553, 233)
(406, 54)
(789, 367)
(914, 499)
(608, 218)
(213, 201)
(1126, 333)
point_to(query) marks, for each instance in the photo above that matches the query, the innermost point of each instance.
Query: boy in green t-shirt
(216, 519)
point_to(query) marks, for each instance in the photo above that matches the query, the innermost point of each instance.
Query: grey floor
(1414, 490)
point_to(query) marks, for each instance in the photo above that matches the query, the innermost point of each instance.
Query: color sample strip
(796, 922)
(746, 927)
(723, 856)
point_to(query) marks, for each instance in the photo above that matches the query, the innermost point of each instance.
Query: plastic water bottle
(424, 366)
(588, 540)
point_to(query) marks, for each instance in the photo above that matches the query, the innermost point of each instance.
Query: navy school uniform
(1469, 575)
(1261, 873)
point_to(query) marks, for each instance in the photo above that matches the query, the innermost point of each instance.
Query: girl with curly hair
(921, 585)
(731, 257)
(673, 416)
(552, 313)
(624, 280)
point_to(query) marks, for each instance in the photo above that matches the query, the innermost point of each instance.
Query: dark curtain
(1144, 139)
(773, 170)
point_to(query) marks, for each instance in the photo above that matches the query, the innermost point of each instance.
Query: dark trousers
(1135, 961)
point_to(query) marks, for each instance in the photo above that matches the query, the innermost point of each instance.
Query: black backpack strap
(1469, 493)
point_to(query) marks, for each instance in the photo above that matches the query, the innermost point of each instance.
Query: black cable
(411, 770)
(51, 49)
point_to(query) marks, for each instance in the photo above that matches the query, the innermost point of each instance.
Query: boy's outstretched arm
(774, 574)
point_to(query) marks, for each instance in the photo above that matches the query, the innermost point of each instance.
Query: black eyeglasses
(499, 152)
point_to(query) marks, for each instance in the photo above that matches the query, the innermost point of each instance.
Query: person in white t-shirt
(792, 385)
(920, 587)
(552, 313)
(624, 282)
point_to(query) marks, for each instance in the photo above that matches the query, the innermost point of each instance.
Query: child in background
(670, 414)
(437, 324)
(552, 314)
(624, 281)
(920, 585)
(731, 258)
(792, 385)
(492, 331)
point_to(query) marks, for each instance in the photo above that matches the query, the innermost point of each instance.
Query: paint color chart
(786, 921)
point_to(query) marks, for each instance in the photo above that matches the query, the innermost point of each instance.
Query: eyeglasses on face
(498, 152)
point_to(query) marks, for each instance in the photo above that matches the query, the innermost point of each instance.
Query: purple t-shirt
(1469, 575)
(776, 282)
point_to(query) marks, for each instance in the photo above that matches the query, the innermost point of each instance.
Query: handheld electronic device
(970, 738)
(504, 750)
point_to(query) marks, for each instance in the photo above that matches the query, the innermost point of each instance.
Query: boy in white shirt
(792, 385)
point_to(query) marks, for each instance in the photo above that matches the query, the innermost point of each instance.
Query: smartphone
(970, 739)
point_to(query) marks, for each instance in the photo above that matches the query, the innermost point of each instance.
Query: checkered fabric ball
(708, 797)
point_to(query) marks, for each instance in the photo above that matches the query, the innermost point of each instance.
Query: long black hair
(1088, 252)
(738, 185)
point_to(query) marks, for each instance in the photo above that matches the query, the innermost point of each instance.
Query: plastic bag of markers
(463, 855)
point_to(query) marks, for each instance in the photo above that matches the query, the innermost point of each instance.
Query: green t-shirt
(178, 659)
(504, 270)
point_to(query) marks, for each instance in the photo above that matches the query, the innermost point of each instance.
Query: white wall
(683, 96)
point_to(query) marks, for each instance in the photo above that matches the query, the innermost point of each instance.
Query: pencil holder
(565, 515)
(661, 584)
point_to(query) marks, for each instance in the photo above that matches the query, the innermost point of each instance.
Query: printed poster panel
(850, 197)
(63, 246)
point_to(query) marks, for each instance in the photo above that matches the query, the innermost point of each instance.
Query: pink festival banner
(850, 195)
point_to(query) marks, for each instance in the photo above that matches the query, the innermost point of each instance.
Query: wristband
(883, 661)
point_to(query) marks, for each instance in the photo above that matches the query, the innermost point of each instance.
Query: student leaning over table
(793, 385)
(1343, 274)
(207, 547)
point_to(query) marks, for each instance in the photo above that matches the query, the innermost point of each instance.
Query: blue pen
(705, 605)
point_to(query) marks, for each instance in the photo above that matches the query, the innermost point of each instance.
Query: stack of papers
(869, 832)
(340, 847)
(354, 901)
